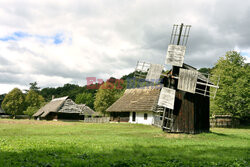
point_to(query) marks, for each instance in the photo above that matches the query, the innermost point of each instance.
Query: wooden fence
(97, 120)
(223, 121)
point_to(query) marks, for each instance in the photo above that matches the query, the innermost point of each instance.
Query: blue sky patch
(7, 38)
(21, 34)
(57, 39)
(245, 54)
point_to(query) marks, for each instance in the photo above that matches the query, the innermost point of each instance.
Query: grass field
(42, 143)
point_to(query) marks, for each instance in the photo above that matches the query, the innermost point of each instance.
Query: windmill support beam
(201, 83)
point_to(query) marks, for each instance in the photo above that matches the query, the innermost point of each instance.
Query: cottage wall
(140, 118)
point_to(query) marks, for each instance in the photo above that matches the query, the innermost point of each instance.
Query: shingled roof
(64, 105)
(85, 110)
(138, 99)
(53, 106)
(71, 107)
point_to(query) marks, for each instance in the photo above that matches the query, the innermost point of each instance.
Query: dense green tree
(205, 70)
(107, 94)
(33, 99)
(14, 102)
(85, 98)
(1, 98)
(33, 102)
(33, 86)
(30, 111)
(70, 90)
(233, 96)
(130, 75)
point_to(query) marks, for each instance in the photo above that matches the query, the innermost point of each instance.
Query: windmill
(182, 78)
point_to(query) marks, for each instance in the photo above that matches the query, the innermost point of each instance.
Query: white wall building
(135, 106)
(141, 118)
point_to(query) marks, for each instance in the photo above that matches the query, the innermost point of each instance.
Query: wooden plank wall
(184, 112)
(191, 113)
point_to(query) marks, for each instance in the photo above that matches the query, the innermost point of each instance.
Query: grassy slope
(26, 143)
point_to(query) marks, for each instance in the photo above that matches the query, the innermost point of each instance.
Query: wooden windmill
(185, 91)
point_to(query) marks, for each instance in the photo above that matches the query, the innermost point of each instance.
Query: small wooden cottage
(64, 108)
(135, 106)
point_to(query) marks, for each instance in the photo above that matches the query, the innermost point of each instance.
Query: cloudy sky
(55, 42)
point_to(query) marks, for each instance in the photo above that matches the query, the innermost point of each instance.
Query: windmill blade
(154, 73)
(175, 55)
(199, 83)
(141, 69)
(177, 47)
(207, 85)
(180, 34)
(187, 80)
(167, 98)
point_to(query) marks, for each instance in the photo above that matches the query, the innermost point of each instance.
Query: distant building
(64, 108)
(135, 106)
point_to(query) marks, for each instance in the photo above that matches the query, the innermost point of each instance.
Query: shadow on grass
(220, 134)
(136, 155)
(229, 136)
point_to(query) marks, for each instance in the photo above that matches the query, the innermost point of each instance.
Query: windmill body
(178, 101)
(184, 99)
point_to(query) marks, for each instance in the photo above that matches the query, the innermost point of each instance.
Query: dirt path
(10, 121)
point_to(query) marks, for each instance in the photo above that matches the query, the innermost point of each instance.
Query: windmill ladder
(168, 119)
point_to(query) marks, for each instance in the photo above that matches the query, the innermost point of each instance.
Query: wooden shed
(64, 108)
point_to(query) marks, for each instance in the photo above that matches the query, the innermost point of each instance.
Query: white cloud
(104, 38)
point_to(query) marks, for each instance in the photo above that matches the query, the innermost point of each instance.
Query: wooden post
(163, 118)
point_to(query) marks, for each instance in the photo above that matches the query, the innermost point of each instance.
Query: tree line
(233, 96)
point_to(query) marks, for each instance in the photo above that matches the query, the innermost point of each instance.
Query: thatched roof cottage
(64, 108)
(135, 106)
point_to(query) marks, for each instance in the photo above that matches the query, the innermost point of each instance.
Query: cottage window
(145, 116)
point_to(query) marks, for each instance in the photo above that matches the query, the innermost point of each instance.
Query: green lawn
(43, 143)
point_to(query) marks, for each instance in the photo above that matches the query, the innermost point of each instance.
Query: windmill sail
(175, 55)
(154, 73)
(167, 98)
(187, 80)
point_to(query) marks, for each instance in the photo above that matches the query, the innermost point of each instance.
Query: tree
(70, 90)
(233, 96)
(106, 95)
(33, 102)
(1, 98)
(33, 99)
(30, 111)
(85, 98)
(205, 70)
(14, 102)
(33, 86)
